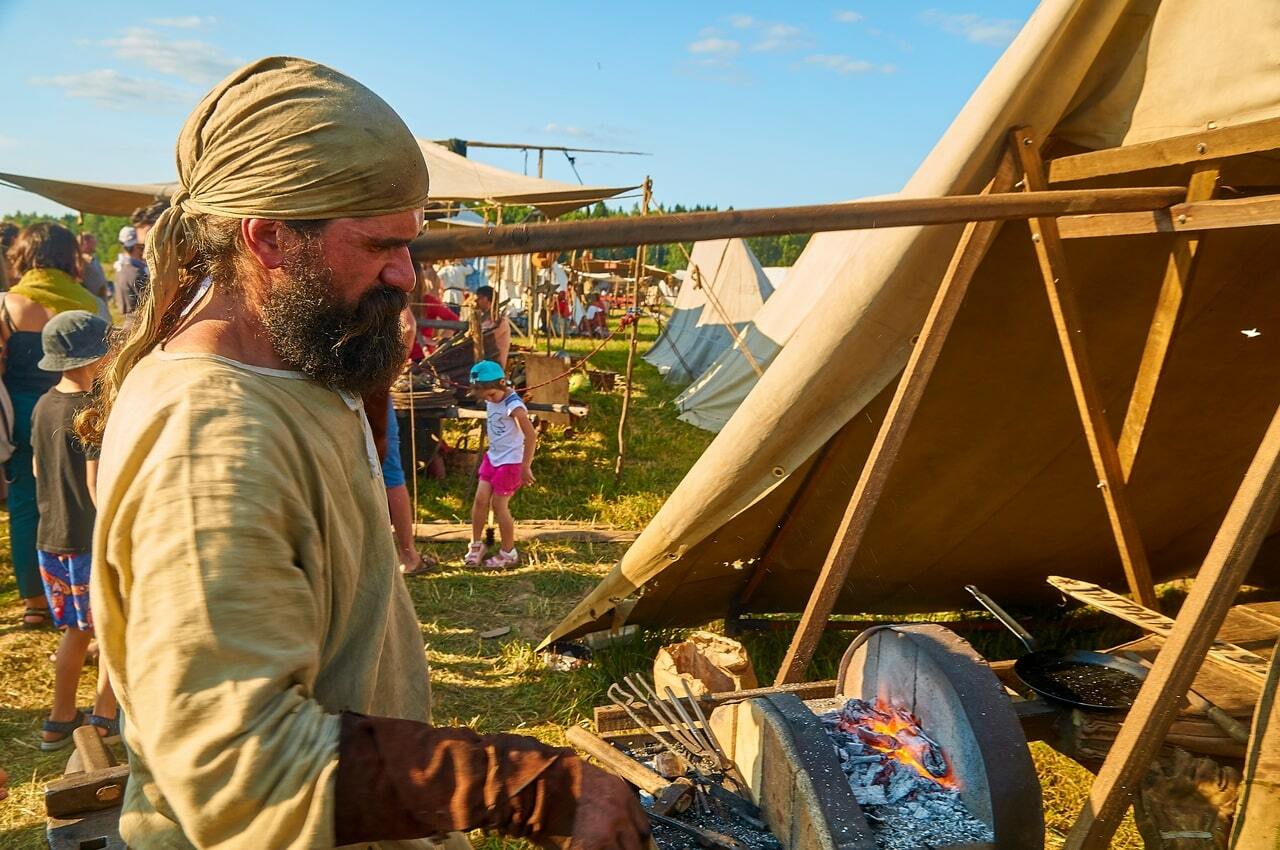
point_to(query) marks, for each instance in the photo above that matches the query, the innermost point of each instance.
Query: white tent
(777, 275)
(710, 400)
(729, 286)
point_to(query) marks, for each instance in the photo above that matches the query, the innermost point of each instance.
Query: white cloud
(845, 16)
(742, 22)
(7, 142)
(843, 64)
(569, 130)
(113, 90)
(971, 27)
(714, 46)
(775, 37)
(197, 62)
(190, 22)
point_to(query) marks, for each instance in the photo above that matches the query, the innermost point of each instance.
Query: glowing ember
(896, 732)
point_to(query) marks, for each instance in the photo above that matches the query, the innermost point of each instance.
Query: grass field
(500, 685)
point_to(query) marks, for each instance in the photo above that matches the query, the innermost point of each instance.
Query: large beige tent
(453, 178)
(724, 286)
(994, 484)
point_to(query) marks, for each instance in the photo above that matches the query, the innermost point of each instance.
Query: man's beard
(356, 348)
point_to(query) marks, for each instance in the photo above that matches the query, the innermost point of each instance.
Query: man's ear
(262, 238)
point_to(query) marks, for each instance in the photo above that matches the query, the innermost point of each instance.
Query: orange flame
(897, 736)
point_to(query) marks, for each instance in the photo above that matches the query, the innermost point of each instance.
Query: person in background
(596, 322)
(131, 273)
(46, 258)
(8, 233)
(454, 277)
(92, 276)
(493, 318)
(507, 465)
(145, 218)
(66, 473)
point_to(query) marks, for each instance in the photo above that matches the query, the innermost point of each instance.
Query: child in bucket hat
(506, 467)
(66, 470)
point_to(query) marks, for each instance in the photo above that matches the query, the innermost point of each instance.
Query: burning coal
(901, 778)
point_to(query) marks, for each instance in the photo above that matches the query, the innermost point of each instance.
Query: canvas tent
(453, 178)
(732, 289)
(994, 483)
(711, 399)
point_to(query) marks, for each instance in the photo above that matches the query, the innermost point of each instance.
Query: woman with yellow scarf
(46, 259)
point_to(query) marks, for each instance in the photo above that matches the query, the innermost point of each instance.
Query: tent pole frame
(632, 340)
(1178, 275)
(1069, 323)
(977, 238)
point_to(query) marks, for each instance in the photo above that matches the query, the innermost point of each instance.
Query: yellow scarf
(55, 290)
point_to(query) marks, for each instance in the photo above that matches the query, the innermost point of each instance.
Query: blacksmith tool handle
(668, 795)
(1234, 729)
(623, 701)
(730, 767)
(705, 837)
(1003, 616)
(675, 725)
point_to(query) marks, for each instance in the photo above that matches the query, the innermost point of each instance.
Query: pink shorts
(504, 479)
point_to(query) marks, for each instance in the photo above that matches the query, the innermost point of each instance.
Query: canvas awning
(994, 484)
(453, 178)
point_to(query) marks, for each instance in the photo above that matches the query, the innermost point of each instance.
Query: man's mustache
(372, 313)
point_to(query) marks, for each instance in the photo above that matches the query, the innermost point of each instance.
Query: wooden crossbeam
(1195, 217)
(1246, 525)
(974, 243)
(1210, 144)
(1069, 324)
(1178, 274)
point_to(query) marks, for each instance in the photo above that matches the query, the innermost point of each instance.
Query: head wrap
(288, 139)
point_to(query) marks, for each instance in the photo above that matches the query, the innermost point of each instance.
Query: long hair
(45, 245)
(211, 247)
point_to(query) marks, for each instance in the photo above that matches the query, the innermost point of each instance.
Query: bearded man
(248, 602)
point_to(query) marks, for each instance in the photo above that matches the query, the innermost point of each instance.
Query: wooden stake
(973, 245)
(631, 345)
(1247, 523)
(1093, 416)
(1177, 279)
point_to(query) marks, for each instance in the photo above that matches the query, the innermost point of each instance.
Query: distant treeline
(769, 250)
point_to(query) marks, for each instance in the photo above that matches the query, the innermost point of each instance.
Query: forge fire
(901, 778)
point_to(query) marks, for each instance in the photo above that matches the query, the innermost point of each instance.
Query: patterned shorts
(66, 586)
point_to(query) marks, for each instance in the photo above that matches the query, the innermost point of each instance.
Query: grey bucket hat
(73, 339)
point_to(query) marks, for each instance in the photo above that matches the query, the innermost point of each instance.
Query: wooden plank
(1068, 322)
(561, 531)
(547, 374)
(1178, 274)
(1229, 654)
(854, 215)
(1246, 525)
(1205, 145)
(1194, 217)
(1258, 816)
(973, 245)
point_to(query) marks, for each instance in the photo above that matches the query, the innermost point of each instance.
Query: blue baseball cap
(486, 371)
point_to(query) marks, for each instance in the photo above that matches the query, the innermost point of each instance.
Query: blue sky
(741, 103)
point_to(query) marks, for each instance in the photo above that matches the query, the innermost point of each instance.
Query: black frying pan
(1076, 677)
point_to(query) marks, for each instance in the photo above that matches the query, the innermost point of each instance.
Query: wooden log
(1246, 525)
(972, 248)
(1069, 323)
(1254, 137)
(855, 215)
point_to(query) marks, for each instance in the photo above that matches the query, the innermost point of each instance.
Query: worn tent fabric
(994, 485)
(696, 334)
(777, 275)
(453, 178)
(710, 400)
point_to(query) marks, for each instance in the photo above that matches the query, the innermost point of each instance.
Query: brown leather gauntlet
(403, 779)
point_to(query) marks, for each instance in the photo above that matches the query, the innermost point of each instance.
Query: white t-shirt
(592, 311)
(454, 275)
(506, 439)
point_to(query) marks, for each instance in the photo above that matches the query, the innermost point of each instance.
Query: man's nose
(399, 272)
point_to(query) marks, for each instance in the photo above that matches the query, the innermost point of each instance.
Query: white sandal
(503, 561)
(475, 555)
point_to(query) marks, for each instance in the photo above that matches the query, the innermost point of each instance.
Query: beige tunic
(245, 591)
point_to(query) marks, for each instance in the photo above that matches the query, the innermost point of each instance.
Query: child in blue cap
(506, 467)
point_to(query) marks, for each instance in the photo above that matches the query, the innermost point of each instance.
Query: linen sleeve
(223, 637)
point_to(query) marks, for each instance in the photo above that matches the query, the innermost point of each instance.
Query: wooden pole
(1068, 322)
(974, 242)
(1177, 280)
(856, 215)
(631, 344)
(1246, 525)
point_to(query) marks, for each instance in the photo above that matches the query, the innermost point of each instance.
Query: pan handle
(1003, 616)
